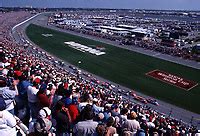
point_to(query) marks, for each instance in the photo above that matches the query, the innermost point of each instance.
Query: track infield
(122, 66)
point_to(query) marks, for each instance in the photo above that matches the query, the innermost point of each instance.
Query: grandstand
(46, 92)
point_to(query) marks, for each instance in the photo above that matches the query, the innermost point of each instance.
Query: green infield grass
(122, 66)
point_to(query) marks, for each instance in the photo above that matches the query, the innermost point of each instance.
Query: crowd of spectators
(49, 100)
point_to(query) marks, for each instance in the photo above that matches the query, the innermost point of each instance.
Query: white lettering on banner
(172, 79)
(84, 48)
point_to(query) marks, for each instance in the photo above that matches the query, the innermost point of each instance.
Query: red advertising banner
(172, 79)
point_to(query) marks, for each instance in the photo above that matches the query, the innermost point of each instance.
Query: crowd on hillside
(38, 98)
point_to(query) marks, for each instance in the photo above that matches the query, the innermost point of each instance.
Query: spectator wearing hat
(115, 110)
(7, 121)
(73, 109)
(107, 112)
(22, 88)
(22, 109)
(42, 127)
(44, 113)
(45, 98)
(32, 98)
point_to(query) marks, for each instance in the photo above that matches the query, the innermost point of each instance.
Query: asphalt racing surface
(18, 33)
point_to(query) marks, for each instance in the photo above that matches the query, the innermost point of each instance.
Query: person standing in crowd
(73, 110)
(132, 124)
(7, 121)
(22, 98)
(96, 106)
(42, 125)
(115, 110)
(45, 96)
(85, 100)
(32, 98)
(86, 126)
(63, 119)
(123, 116)
(8, 93)
(109, 127)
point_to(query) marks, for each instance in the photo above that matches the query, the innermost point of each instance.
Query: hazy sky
(131, 4)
